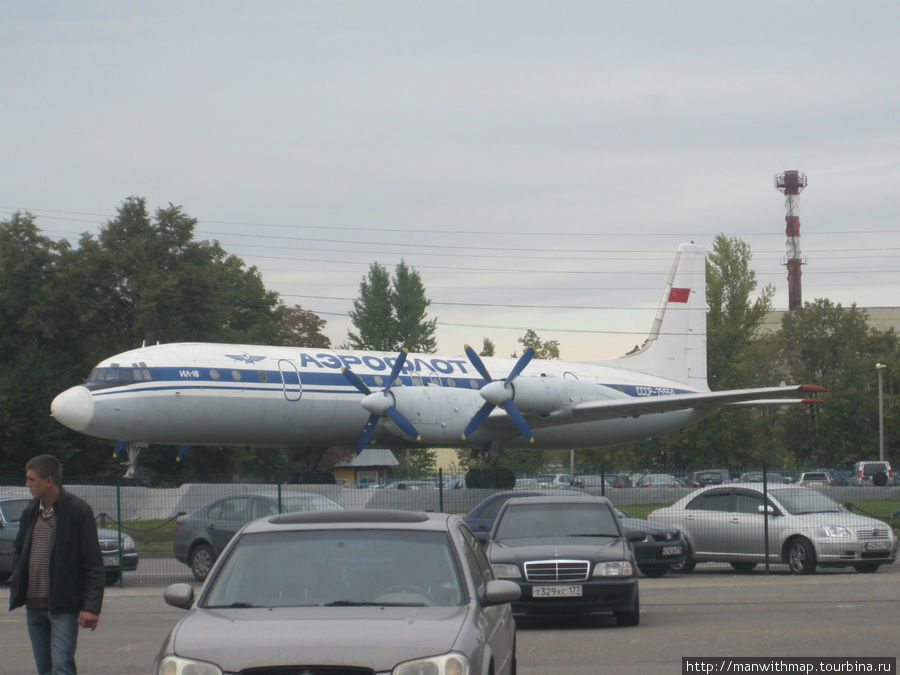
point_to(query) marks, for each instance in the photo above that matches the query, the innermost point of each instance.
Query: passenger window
(711, 501)
(747, 503)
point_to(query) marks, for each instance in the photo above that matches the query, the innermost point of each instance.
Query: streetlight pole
(879, 367)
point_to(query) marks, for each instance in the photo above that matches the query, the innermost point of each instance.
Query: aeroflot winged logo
(246, 358)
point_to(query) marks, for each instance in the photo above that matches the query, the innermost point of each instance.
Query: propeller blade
(403, 423)
(478, 363)
(513, 411)
(477, 419)
(523, 361)
(356, 380)
(398, 366)
(366, 434)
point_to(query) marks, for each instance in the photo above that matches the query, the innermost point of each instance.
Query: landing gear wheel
(801, 557)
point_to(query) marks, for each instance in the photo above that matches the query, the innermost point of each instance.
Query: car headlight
(506, 571)
(447, 664)
(175, 665)
(836, 531)
(127, 542)
(614, 568)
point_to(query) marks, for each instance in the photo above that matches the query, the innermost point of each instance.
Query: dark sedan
(201, 536)
(657, 550)
(569, 555)
(11, 509)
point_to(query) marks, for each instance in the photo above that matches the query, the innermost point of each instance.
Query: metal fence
(150, 515)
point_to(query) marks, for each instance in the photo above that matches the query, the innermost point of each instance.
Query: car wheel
(743, 567)
(686, 565)
(654, 571)
(202, 559)
(867, 569)
(801, 556)
(631, 617)
(113, 576)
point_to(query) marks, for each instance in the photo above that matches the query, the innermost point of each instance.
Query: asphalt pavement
(710, 612)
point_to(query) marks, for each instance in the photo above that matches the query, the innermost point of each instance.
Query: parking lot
(711, 612)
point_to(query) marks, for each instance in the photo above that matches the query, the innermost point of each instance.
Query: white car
(726, 523)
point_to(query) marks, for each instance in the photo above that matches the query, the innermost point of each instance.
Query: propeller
(380, 404)
(499, 393)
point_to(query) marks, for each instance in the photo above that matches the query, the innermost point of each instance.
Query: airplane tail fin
(676, 347)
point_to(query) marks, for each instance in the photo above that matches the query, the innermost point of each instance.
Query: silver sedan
(346, 591)
(806, 529)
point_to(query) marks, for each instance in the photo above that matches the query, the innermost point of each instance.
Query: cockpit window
(114, 376)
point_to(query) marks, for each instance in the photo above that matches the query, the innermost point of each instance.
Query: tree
(302, 328)
(733, 318)
(389, 317)
(414, 330)
(542, 349)
(373, 313)
(487, 347)
(833, 346)
(65, 308)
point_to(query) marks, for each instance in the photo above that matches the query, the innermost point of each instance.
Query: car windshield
(557, 520)
(12, 509)
(798, 502)
(338, 568)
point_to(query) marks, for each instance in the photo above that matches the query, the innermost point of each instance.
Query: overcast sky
(537, 162)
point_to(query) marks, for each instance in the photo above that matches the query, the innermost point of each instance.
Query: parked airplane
(226, 394)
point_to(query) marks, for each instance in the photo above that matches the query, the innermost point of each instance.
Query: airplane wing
(637, 406)
(591, 411)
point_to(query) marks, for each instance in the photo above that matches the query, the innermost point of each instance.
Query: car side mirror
(500, 591)
(179, 595)
(767, 509)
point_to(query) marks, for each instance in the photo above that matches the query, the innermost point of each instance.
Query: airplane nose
(74, 408)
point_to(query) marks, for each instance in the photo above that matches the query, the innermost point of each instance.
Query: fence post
(440, 490)
(119, 529)
(280, 505)
(603, 480)
(766, 512)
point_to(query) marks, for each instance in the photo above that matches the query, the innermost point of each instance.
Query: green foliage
(733, 318)
(65, 308)
(389, 316)
(548, 349)
(414, 463)
(302, 328)
(487, 347)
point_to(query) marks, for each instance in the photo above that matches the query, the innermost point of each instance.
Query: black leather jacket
(77, 576)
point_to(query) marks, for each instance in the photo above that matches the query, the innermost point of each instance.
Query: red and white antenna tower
(791, 183)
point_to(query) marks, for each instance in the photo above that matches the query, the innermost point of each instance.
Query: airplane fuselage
(219, 394)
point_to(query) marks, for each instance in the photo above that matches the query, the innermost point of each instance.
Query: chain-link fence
(177, 532)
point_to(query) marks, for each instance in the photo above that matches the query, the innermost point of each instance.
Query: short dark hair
(46, 466)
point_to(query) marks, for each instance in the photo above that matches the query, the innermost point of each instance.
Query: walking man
(57, 568)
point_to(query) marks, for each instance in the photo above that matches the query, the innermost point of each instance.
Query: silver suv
(871, 473)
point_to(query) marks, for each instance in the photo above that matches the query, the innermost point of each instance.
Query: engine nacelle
(541, 395)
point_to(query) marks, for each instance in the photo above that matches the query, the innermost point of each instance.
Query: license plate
(671, 550)
(878, 546)
(556, 591)
(111, 562)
